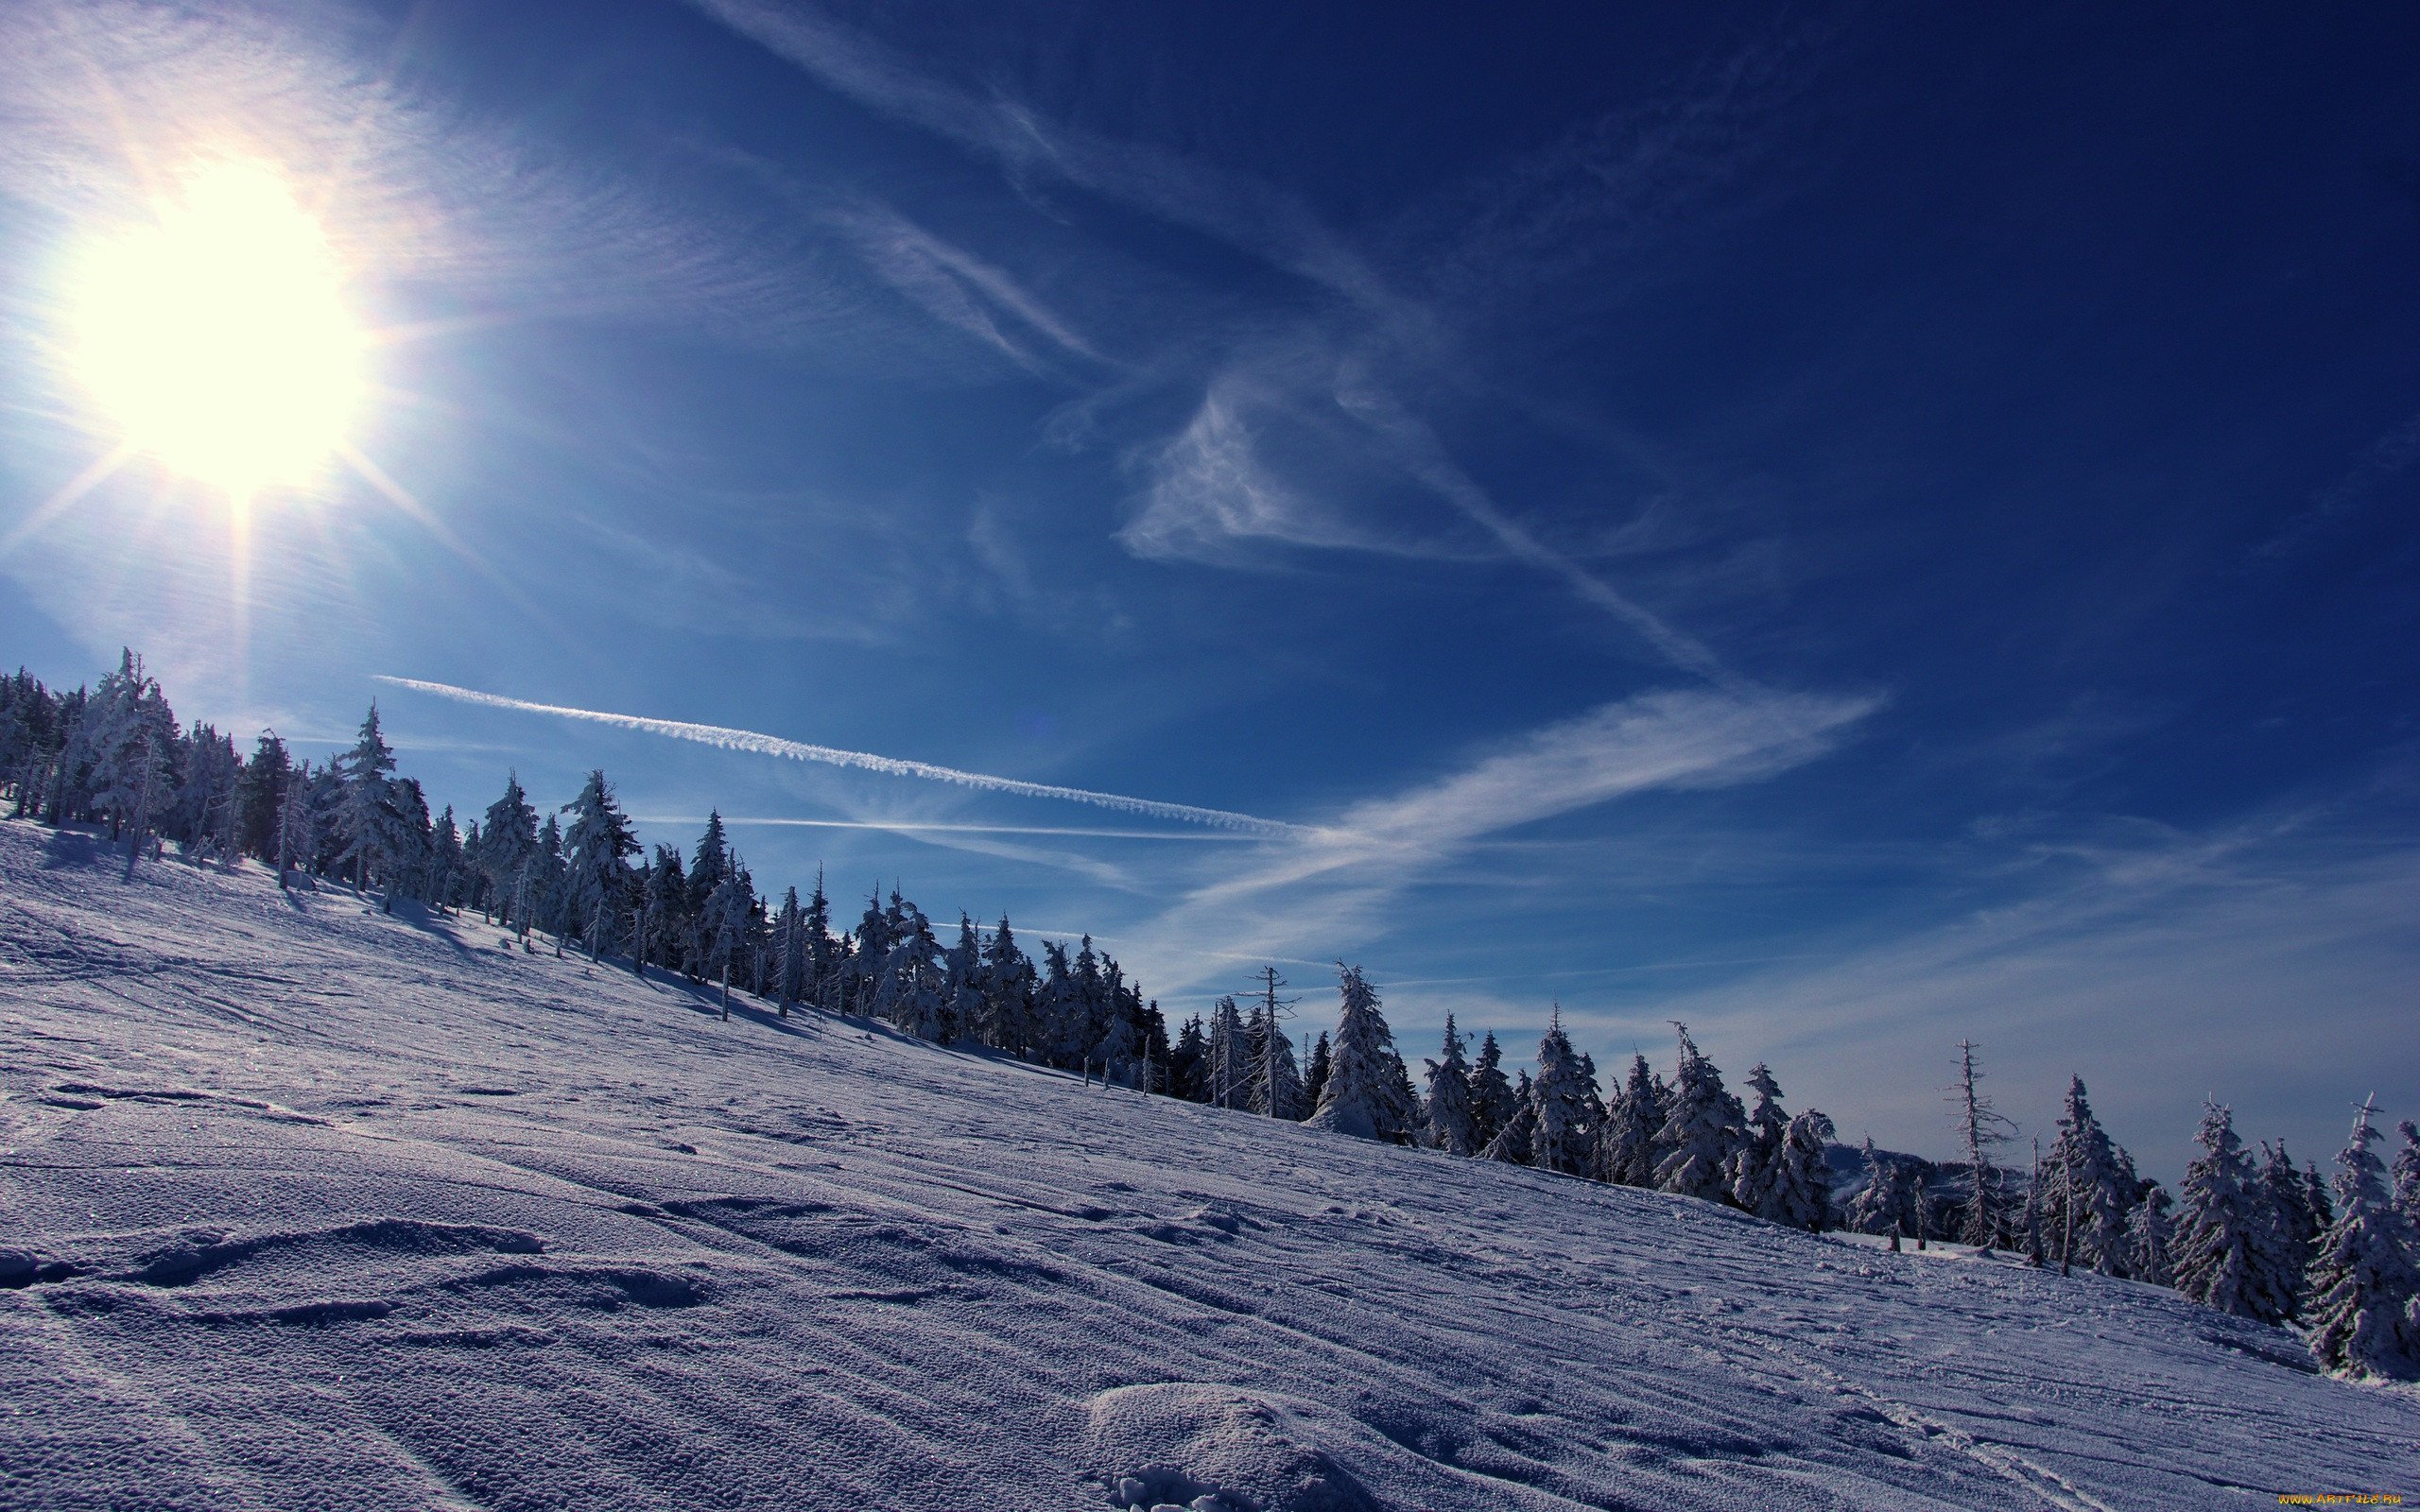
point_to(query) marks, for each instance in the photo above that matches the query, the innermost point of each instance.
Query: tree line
(2260, 1240)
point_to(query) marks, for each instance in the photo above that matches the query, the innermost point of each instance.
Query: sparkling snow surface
(305, 1207)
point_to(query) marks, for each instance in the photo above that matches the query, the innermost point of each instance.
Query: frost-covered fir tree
(2291, 1225)
(1755, 1163)
(1560, 1098)
(1450, 1126)
(2406, 1178)
(1230, 1055)
(597, 849)
(1272, 1054)
(1799, 1195)
(508, 846)
(1879, 1206)
(1627, 1156)
(1702, 1130)
(962, 985)
(2360, 1317)
(1364, 1095)
(789, 969)
(907, 981)
(127, 735)
(1516, 1143)
(1492, 1099)
(445, 861)
(2147, 1235)
(662, 908)
(1315, 1074)
(298, 824)
(366, 818)
(1008, 995)
(2092, 1191)
(1187, 1071)
(2222, 1250)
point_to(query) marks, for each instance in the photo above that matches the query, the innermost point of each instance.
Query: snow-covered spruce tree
(908, 982)
(1627, 1155)
(1008, 995)
(1754, 1165)
(663, 904)
(1516, 1143)
(1799, 1195)
(1364, 1094)
(2407, 1178)
(1120, 1040)
(2219, 1253)
(1271, 1054)
(1187, 1063)
(1702, 1130)
(259, 793)
(1876, 1207)
(1492, 1100)
(1450, 1126)
(507, 844)
(2290, 1226)
(2031, 1227)
(597, 849)
(445, 862)
(2148, 1233)
(127, 735)
(2362, 1284)
(366, 813)
(1230, 1055)
(1560, 1097)
(1058, 1013)
(962, 982)
(2092, 1191)
(298, 824)
(1315, 1074)
(723, 930)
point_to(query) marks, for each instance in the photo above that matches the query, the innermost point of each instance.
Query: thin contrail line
(907, 826)
(723, 738)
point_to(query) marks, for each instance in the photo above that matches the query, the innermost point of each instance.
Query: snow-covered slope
(313, 1208)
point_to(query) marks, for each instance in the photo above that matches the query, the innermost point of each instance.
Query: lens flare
(218, 339)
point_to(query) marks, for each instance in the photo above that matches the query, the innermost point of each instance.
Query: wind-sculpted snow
(305, 1207)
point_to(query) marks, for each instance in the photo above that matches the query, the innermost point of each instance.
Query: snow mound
(303, 1206)
(1216, 1449)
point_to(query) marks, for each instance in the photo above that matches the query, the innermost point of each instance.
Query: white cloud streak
(916, 827)
(1325, 886)
(725, 738)
(962, 290)
(1245, 213)
(2266, 967)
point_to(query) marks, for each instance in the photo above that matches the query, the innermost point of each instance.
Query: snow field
(303, 1206)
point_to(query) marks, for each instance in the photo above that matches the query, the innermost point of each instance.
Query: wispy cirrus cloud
(1325, 888)
(965, 292)
(2268, 961)
(1251, 216)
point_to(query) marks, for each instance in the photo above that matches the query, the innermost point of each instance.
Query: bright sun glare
(218, 339)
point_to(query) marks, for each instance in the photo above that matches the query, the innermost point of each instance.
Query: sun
(216, 337)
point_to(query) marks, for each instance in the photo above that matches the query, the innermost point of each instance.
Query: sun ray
(64, 500)
(403, 498)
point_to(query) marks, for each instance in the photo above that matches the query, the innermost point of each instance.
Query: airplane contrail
(725, 738)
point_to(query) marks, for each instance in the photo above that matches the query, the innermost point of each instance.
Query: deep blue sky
(1856, 529)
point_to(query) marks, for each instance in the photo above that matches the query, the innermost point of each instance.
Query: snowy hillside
(307, 1207)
